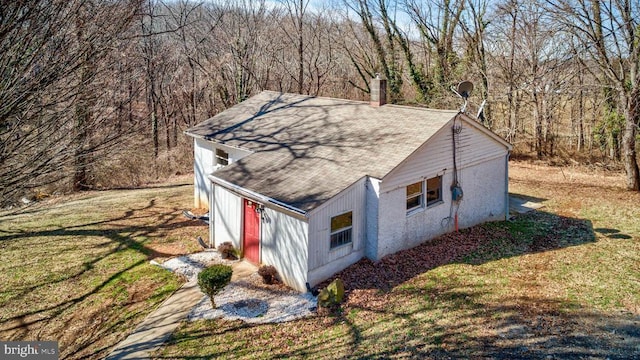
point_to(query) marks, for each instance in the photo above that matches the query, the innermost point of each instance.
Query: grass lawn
(563, 283)
(76, 269)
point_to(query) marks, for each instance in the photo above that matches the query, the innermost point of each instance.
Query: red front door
(251, 242)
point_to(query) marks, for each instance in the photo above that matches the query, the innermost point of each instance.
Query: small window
(434, 190)
(414, 196)
(341, 229)
(222, 157)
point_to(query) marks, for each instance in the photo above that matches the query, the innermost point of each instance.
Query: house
(311, 185)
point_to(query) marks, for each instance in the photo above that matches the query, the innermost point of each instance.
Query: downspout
(212, 215)
(506, 187)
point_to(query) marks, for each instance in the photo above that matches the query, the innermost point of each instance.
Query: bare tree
(188, 18)
(437, 22)
(296, 13)
(321, 61)
(608, 33)
(533, 64)
(383, 40)
(305, 52)
(79, 77)
(50, 54)
(474, 22)
(241, 41)
(504, 42)
(149, 46)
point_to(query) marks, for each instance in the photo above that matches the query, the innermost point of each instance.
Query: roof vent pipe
(378, 91)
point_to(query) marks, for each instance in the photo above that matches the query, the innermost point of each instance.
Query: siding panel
(484, 200)
(227, 215)
(205, 163)
(284, 245)
(435, 157)
(202, 167)
(481, 165)
(323, 259)
(373, 197)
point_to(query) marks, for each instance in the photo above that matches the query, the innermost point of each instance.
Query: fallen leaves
(397, 268)
(368, 283)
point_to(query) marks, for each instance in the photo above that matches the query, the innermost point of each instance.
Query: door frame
(255, 205)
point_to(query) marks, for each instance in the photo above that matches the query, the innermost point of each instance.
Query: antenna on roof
(463, 90)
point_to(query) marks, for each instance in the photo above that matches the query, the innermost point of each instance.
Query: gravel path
(190, 265)
(247, 299)
(253, 302)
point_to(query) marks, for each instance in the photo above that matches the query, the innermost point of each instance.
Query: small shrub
(213, 279)
(227, 250)
(332, 295)
(269, 274)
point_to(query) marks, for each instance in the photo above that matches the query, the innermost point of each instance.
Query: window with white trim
(222, 157)
(414, 196)
(418, 197)
(341, 230)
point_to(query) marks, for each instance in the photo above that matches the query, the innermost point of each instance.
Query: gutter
(264, 200)
(212, 140)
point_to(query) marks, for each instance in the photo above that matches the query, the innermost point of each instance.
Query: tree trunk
(580, 120)
(629, 154)
(537, 118)
(300, 47)
(81, 166)
(154, 130)
(512, 97)
(83, 108)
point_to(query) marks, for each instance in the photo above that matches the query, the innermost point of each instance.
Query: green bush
(213, 279)
(332, 295)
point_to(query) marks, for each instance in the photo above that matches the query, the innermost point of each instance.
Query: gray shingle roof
(308, 149)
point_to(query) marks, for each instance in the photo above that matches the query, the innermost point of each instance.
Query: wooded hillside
(96, 93)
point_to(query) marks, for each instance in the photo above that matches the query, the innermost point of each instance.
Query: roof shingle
(307, 149)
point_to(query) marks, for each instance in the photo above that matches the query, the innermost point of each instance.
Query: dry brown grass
(76, 270)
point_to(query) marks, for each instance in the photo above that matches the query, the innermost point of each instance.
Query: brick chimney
(378, 91)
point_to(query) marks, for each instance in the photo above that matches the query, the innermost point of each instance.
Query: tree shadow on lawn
(452, 320)
(529, 233)
(533, 326)
(101, 245)
(613, 233)
(397, 308)
(37, 207)
(448, 320)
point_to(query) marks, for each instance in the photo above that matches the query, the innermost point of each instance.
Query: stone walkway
(156, 328)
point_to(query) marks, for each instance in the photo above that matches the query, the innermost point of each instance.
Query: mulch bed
(399, 267)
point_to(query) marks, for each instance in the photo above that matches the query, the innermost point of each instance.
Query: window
(341, 229)
(222, 157)
(414, 196)
(417, 197)
(434, 190)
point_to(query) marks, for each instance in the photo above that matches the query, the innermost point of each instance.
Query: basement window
(341, 229)
(222, 157)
